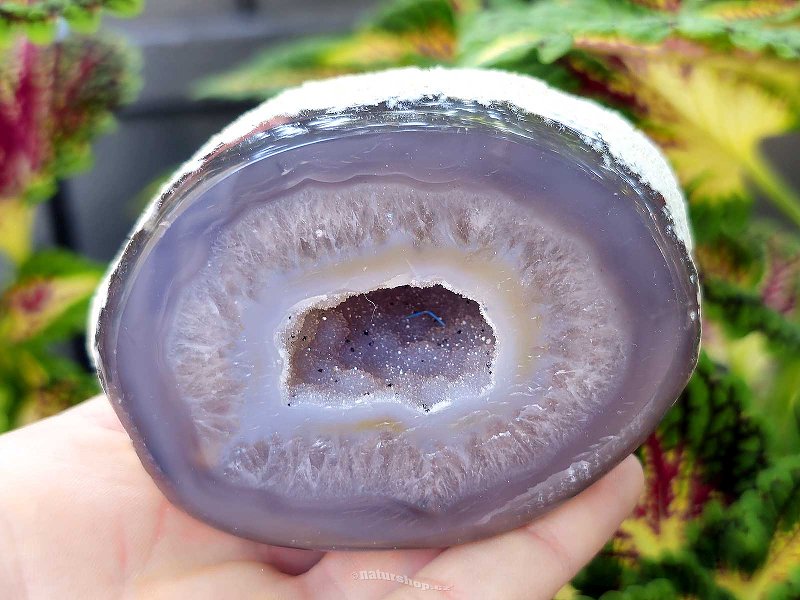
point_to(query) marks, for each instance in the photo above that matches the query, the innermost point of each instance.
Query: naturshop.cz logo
(379, 575)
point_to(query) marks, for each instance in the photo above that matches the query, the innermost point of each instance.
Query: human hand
(80, 518)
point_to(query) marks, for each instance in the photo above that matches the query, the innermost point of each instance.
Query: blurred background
(100, 100)
(180, 42)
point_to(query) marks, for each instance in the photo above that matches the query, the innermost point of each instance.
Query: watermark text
(378, 575)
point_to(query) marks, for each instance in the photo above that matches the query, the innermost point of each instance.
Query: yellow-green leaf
(783, 559)
(16, 222)
(36, 304)
(754, 544)
(710, 121)
(674, 495)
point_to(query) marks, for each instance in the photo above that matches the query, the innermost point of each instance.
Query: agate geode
(405, 309)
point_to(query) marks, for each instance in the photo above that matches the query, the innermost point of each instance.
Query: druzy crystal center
(419, 346)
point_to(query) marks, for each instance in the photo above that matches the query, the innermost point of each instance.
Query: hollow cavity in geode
(420, 346)
(397, 327)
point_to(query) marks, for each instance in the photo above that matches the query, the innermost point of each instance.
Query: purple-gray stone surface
(412, 317)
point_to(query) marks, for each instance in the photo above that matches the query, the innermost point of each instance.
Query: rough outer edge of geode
(600, 128)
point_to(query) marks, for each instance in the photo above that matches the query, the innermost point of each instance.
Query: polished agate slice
(406, 309)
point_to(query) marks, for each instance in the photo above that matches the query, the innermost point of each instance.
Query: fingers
(532, 562)
(341, 574)
(535, 561)
(97, 411)
(291, 561)
(84, 507)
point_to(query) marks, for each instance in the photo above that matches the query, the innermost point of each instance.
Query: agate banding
(405, 309)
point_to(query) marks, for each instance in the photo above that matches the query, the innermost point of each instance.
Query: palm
(83, 519)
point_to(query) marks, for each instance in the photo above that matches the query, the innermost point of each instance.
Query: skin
(80, 518)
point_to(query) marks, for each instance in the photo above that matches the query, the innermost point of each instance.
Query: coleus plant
(709, 81)
(55, 97)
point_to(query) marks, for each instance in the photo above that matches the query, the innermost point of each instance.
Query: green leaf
(38, 18)
(404, 33)
(82, 21)
(37, 383)
(742, 311)
(49, 299)
(56, 263)
(408, 16)
(678, 576)
(729, 250)
(602, 574)
(495, 35)
(755, 543)
(6, 405)
(773, 377)
(620, 27)
(711, 118)
(707, 449)
(780, 285)
(675, 493)
(712, 421)
(660, 589)
(713, 123)
(780, 402)
(554, 47)
(706, 453)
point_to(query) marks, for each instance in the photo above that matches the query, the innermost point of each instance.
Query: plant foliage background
(57, 91)
(709, 80)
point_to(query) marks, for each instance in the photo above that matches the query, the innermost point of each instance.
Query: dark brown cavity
(396, 339)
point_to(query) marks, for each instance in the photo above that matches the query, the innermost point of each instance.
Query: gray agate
(405, 309)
